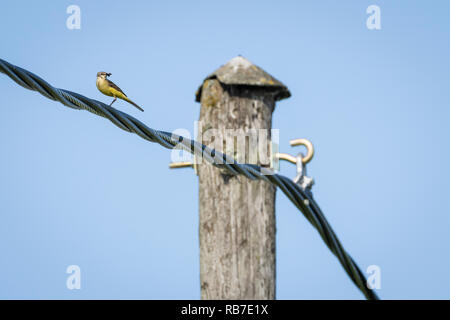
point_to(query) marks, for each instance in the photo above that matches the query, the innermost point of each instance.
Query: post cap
(240, 71)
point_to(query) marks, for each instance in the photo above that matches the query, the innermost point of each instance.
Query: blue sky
(74, 189)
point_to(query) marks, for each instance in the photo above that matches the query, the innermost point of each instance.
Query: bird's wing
(113, 85)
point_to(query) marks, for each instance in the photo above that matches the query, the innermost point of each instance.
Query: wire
(302, 199)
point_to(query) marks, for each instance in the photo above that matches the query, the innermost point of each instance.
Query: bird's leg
(113, 101)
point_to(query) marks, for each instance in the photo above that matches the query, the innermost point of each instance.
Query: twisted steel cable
(301, 198)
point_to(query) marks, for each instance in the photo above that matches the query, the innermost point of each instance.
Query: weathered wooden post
(237, 216)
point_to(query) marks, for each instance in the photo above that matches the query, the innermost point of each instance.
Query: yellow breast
(103, 86)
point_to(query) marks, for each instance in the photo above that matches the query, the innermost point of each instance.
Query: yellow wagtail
(110, 89)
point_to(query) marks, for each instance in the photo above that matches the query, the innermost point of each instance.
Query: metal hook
(299, 142)
(309, 147)
(179, 165)
(184, 164)
(301, 179)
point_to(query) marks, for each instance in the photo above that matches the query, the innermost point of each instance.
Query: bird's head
(103, 75)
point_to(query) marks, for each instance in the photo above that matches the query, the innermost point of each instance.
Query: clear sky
(76, 190)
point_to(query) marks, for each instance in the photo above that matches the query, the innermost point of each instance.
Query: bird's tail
(134, 104)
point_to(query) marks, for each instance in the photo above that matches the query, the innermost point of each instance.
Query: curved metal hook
(301, 179)
(309, 147)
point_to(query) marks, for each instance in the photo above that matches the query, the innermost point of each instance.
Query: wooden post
(237, 216)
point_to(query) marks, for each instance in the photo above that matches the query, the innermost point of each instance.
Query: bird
(109, 88)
